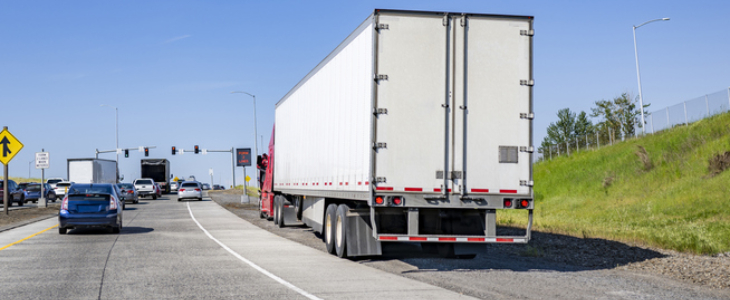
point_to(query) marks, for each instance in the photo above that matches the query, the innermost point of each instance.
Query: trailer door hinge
(530, 116)
(380, 77)
(379, 179)
(463, 20)
(445, 21)
(380, 145)
(381, 111)
(527, 32)
(527, 183)
(381, 26)
(527, 82)
(527, 149)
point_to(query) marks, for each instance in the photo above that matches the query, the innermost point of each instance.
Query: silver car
(190, 190)
(61, 188)
(127, 192)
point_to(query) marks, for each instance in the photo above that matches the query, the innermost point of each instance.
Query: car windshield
(143, 181)
(91, 189)
(54, 180)
(190, 184)
(125, 185)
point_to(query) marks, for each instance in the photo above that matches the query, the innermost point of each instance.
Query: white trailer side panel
(323, 125)
(81, 171)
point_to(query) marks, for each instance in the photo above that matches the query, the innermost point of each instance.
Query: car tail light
(507, 203)
(397, 200)
(182, 190)
(64, 203)
(197, 190)
(379, 200)
(112, 202)
(130, 192)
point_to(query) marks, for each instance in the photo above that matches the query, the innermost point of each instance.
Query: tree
(619, 116)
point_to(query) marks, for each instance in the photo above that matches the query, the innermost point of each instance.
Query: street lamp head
(665, 19)
(242, 92)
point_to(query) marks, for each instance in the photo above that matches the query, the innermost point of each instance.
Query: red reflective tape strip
(418, 238)
(448, 239)
(367, 182)
(412, 189)
(437, 190)
(504, 240)
(480, 190)
(359, 183)
(389, 238)
(384, 188)
(340, 183)
(508, 191)
(475, 239)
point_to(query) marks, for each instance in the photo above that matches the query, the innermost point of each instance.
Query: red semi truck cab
(266, 205)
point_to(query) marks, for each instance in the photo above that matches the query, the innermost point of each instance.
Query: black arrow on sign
(5, 143)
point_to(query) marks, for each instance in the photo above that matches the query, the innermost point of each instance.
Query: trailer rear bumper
(489, 237)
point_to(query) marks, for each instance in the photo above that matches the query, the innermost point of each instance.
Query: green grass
(675, 205)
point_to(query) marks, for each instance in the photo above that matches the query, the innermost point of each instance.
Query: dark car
(15, 193)
(91, 205)
(33, 192)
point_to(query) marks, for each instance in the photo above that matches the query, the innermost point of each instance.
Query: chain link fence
(679, 114)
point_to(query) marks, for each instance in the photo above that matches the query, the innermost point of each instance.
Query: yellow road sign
(9, 146)
(248, 178)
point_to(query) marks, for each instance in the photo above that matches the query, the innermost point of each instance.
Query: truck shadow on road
(545, 251)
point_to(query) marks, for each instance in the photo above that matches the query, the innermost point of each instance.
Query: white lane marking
(253, 265)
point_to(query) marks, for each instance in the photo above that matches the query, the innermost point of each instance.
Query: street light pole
(255, 127)
(638, 74)
(116, 129)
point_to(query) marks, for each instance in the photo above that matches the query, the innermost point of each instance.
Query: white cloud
(175, 39)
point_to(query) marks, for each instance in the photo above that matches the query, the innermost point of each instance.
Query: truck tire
(328, 233)
(22, 201)
(341, 231)
(276, 210)
(154, 197)
(280, 212)
(62, 230)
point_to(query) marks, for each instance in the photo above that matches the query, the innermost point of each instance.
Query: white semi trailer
(416, 128)
(92, 170)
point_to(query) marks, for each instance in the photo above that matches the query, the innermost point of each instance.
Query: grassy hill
(669, 199)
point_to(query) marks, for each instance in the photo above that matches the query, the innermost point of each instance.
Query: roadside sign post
(10, 147)
(42, 161)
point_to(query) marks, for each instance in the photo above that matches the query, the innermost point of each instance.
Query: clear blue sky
(169, 66)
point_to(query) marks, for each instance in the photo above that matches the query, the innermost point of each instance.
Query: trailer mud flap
(360, 240)
(289, 214)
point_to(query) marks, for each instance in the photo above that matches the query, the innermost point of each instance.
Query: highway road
(198, 250)
(185, 250)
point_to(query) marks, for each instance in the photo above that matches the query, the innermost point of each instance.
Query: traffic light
(126, 153)
(173, 150)
(146, 151)
(197, 149)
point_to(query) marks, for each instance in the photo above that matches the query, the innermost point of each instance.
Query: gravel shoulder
(679, 275)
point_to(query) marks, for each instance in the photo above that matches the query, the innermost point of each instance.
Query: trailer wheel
(341, 231)
(329, 222)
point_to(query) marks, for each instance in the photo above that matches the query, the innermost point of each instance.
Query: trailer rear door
(411, 76)
(453, 103)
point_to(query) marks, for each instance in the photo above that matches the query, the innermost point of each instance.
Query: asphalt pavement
(171, 249)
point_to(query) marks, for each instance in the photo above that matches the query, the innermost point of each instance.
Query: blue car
(91, 205)
(33, 192)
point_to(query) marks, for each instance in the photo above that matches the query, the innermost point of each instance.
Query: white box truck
(92, 170)
(416, 128)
